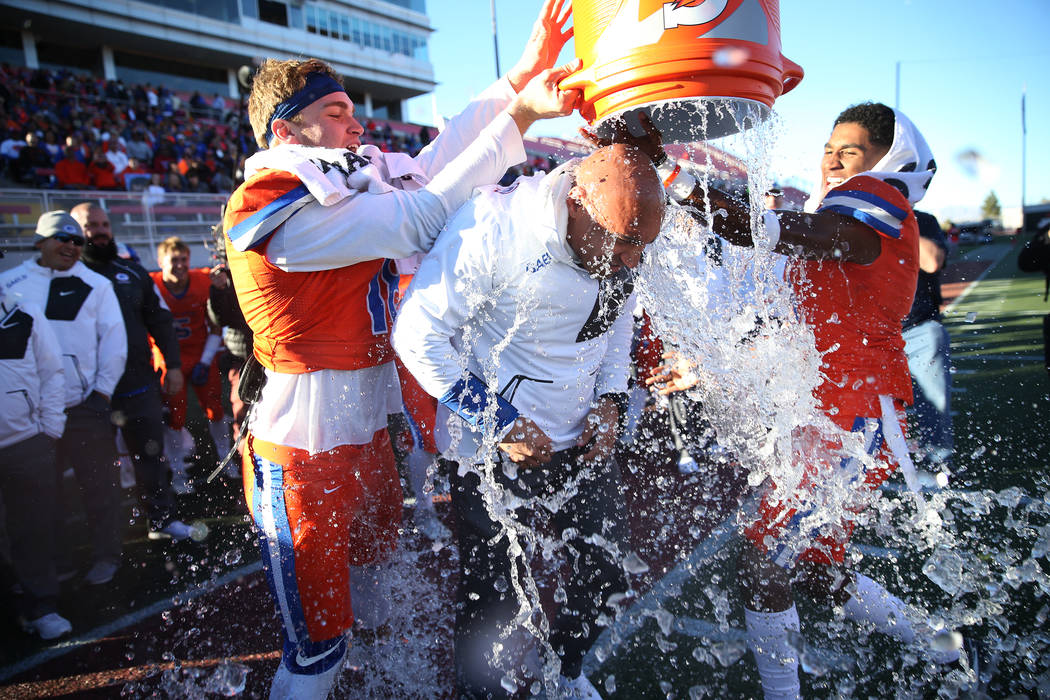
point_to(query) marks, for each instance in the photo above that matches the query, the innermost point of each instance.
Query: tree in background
(991, 209)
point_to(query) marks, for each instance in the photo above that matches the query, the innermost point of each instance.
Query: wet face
(328, 122)
(848, 152)
(615, 210)
(60, 252)
(606, 244)
(175, 266)
(95, 223)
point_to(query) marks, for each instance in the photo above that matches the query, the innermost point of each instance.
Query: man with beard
(136, 400)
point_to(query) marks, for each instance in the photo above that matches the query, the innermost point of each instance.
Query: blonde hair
(275, 82)
(172, 244)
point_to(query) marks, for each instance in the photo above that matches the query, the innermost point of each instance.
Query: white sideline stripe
(98, 633)
(628, 623)
(1003, 358)
(970, 287)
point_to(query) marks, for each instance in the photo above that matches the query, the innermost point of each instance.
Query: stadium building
(379, 46)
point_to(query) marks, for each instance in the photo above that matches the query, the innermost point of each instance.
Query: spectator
(139, 147)
(195, 184)
(174, 182)
(154, 193)
(136, 397)
(928, 347)
(71, 173)
(218, 106)
(101, 171)
(31, 160)
(9, 150)
(116, 155)
(51, 145)
(31, 422)
(1035, 257)
(185, 291)
(86, 317)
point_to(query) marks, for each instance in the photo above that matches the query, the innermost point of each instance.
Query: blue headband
(317, 86)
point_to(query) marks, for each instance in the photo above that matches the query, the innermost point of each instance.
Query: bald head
(615, 209)
(95, 222)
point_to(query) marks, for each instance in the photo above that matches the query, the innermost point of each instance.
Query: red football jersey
(856, 310)
(190, 312)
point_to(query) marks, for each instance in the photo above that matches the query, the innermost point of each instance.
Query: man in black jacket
(1035, 257)
(136, 400)
(927, 346)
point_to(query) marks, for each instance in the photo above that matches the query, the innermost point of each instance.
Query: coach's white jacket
(501, 296)
(32, 382)
(85, 316)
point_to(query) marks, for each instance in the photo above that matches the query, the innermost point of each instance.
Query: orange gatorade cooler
(687, 64)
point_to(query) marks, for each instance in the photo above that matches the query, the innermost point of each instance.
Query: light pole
(897, 98)
(495, 39)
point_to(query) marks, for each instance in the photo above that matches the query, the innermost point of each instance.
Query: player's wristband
(678, 181)
(769, 217)
(469, 398)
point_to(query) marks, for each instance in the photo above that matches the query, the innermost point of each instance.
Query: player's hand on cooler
(173, 381)
(199, 374)
(549, 36)
(650, 143)
(543, 99)
(526, 444)
(599, 430)
(677, 374)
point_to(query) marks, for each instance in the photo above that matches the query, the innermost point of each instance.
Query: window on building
(273, 12)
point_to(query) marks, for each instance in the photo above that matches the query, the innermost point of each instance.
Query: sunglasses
(69, 238)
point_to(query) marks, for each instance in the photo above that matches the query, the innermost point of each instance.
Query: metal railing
(137, 218)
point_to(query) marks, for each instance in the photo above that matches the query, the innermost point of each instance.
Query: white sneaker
(175, 530)
(428, 523)
(50, 626)
(687, 465)
(579, 687)
(293, 686)
(102, 572)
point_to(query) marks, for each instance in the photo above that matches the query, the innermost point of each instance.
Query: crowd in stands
(70, 130)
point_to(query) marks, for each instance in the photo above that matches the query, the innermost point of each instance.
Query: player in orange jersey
(185, 291)
(856, 251)
(309, 236)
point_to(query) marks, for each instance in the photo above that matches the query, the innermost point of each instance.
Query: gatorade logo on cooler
(644, 22)
(684, 13)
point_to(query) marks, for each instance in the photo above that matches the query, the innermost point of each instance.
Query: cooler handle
(792, 75)
(579, 80)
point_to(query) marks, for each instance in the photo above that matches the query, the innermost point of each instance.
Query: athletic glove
(199, 375)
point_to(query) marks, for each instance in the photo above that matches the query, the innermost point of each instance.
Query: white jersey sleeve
(463, 128)
(393, 223)
(456, 277)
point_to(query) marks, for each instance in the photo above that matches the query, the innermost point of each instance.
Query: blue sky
(964, 64)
